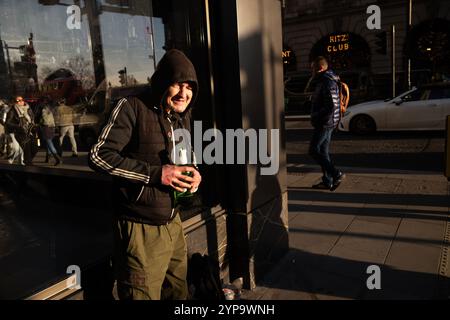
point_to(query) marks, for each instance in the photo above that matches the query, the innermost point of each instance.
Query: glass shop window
(84, 53)
(80, 56)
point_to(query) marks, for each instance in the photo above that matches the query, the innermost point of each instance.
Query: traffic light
(381, 42)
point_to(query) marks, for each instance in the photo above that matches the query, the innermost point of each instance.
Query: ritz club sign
(338, 43)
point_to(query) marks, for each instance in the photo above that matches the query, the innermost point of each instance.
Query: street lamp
(408, 31)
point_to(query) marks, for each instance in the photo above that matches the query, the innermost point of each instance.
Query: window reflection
(82, 52)
(70, 70)
(419, 94)
(130, 31)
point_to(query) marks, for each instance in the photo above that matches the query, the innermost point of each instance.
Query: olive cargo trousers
(150, 262)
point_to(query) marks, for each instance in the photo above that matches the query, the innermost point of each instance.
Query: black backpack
(204, 279)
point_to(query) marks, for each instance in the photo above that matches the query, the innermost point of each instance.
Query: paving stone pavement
(398, 221)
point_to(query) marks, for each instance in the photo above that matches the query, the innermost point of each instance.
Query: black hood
(173, 67)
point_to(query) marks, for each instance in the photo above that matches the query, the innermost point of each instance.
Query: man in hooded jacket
(136, 147)
(325, 116)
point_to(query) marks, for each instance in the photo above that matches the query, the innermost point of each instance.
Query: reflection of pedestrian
(15, 151)
(47, 129)
(20, 122)
(325, 116)
(2, 139)
(150, 255)
(65, 121)
(4, 109)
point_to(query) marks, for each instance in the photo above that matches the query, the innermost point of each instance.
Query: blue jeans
(50, 147)
(319, 150)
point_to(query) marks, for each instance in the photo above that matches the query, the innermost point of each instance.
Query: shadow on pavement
(425, 161)
(305, 135)
(374, 212)
(321, 277)
(367, 236)
(307, 194)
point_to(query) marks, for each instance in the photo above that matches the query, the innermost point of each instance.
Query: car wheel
(362, 124)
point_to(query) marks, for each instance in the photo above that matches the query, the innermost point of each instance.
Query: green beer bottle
(183, 197)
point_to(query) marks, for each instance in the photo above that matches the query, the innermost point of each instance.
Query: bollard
(447, 149)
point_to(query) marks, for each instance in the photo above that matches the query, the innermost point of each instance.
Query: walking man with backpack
(325, 116)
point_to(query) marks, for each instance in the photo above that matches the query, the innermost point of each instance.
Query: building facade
(339, 30)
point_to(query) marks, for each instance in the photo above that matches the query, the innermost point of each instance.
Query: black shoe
(339, 177)
(58, 160)
(74, 155)
(322, 185)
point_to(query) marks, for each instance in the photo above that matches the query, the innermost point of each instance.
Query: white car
(424, 108)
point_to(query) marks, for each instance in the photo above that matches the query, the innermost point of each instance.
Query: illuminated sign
(338, 43)
(286, 54)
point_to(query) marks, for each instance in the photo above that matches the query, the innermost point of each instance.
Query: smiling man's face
(178, 97)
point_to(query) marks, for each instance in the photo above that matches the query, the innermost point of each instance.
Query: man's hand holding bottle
(181, 178)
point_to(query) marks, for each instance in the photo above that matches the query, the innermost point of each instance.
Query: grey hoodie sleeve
(105, 155)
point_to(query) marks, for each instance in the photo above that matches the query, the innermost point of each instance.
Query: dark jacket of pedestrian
(135, 144)
(325, 104)
(20, 121)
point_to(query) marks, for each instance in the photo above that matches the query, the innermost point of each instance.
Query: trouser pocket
(150, 261)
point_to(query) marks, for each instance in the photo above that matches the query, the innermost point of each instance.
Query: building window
(428, 47)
